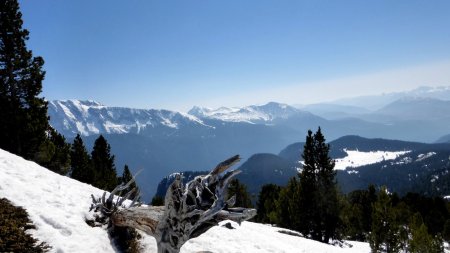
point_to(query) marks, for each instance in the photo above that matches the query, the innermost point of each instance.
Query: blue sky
(176, 54)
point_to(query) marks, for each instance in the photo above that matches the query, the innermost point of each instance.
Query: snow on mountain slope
(59, 205)
(250, 114)
(357, 158)
(89, 117)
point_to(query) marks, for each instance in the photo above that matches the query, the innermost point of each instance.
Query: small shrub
(125, 239)
(14, 222)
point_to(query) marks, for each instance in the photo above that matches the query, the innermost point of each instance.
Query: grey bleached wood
(189, 210)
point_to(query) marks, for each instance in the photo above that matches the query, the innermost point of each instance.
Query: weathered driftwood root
(189, 210)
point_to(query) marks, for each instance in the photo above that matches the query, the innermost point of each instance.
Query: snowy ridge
(251, 114)
(89, 117)
(59, 205)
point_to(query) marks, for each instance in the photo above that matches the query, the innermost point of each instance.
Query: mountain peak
(250, 114)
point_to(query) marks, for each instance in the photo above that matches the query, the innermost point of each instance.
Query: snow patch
(111, 127)
(422, 157)
(357, 158)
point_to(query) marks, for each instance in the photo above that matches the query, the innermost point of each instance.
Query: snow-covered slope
(59, 205)
(251, 114)
(89, 117)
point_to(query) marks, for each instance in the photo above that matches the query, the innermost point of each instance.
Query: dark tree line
(312, 205)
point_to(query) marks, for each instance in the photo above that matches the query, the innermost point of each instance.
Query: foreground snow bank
(56, 204)
(254, 237)
(59, 205)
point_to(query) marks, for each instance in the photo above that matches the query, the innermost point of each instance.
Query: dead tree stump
(189, 210)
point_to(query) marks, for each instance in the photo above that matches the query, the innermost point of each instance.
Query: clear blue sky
(176, 54)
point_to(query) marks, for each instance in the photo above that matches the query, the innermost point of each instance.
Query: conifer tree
(23, 115)
(420, 240)
(60, 159)
(318, 196)
(358, 213)
(266, 205)
(103, 165)
(127, 177)
(81, 162)
(385, 229)
(240, 191)
(288, 205)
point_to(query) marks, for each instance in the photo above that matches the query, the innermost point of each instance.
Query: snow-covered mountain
(252, 114)
(59, 206)
(89, 117)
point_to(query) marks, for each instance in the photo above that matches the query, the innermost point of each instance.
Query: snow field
(357, 158)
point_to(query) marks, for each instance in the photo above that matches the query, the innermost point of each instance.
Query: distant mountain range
(375, 102)
(162, 141)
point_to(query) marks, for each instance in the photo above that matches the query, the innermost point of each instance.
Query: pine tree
(358, 213)
(385, 228)
(240, 191)
(103, 165)
(318, 196)
(420, 240)
(267, 204)
(60, 160)
(127, 177)
(23, 115)
(288, 205)
(81, 162)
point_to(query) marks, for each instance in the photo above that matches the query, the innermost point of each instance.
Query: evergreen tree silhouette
(125, 178)
(81, 162)
(239, 190)
(319, 205)
(103, 165)
(23, 115)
